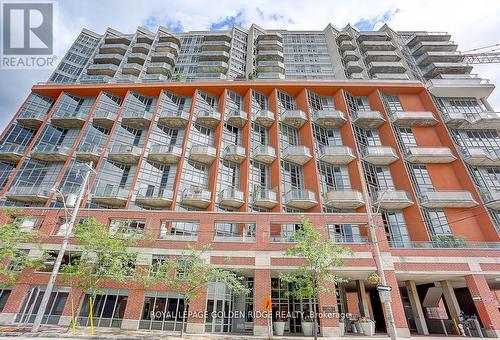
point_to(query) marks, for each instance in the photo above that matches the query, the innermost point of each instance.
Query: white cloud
(470, 25)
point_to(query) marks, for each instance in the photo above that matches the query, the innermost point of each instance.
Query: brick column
(487, 304)
(133, 309)
(76, 295)
(262, 287)
(196, 317)
(328, 311)
(398, 311)
(13, 305)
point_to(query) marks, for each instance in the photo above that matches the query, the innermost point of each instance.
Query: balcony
(354, 67)
(459, 85)
(336, 154)
(113, 48)
(265, 198)
(480, 157)
(270, 66)
(68, 120)
(125, 154)
(163, 57)
(344, 199)
(213, 66)
(88, 152)
(447, 199)
(368, 119)
(113, 58)
(377, 46)
(154, 78)
(343, 36)
(413, 118)
(165, 154)
(422, 155)
(218, 36)
(132, 69)
(11, 153)
(347, 45)
(104, 117)
(88, 79)
(28, 194)
(434, 69)
(295, 118)
(435, 57)
(298, 154)
(110, 195)
(237, 118)
(481, 120)
(214, 56)
(372, 56)
(159, 198)
(142, 48)
(427, 36)
(379, 155)
(270, 75)
(136, 119)
(126, 78)
(209, 118)
(264, 154)
(234, 153)
(386, 67)
(216, 46)
(175, 119)
(269, 45)
(393, 200)
(31, 119)
(231, 198)
(50, 153)
(196, 197)
(102, 70)
(390, 76)
(164, 69)
(117, 39)
(491, 197)
(137, 58)
(329, 119)
(426, 46)
(373, 36)
(167, 46)
(270, 36)
(301, 199)
(350, 56)
(204, 154)
(264, 118)
(276, 55)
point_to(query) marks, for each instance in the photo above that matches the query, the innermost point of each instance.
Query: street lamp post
(377, 255)
(60, 255)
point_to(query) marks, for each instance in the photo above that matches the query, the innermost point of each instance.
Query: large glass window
(162, 311)
(108, 308)
(31, 305)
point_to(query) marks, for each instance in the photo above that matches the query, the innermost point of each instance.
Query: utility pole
(62, 250)
(391, 326)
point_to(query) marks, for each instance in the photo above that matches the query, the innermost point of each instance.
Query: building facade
(228, 138)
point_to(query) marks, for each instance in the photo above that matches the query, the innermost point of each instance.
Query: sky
(471, 25)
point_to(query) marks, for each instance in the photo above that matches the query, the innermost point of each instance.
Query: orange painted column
(133, 309)
(397, 305)
(262, 288)
(328, 312)
(246, 143)
(274, 139)
(196, 314)
(486, 304)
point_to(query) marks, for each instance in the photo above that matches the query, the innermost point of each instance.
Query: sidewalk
(114, 334)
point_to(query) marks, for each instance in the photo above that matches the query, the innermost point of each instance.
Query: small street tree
(13, 259)
(105, 256)
(190, 273)
(316, 275)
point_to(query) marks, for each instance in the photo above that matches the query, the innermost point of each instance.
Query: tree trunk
(315, 299)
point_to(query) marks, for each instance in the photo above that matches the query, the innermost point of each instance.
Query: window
(31, 305)
(227, 230)
(319, 103)
(407, 137)
(108, 308)
(69, 258)
(179, 230)
(346, 233)
(16, 264)
(4, 296)
(393, 103)
(395, 228)
(29, 223)
(289, 136)
(362, 104)
(437, 222)
(162, 311)
(422, 177)
(286, 102)
(327, 136)
(127, 226)
(157, 262)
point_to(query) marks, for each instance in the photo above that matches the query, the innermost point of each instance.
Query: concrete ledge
(490, 333)
(7, 318)
(330, 331)
(403, 332)
(65, 320)
(130, 324)
(260, 330)
(195, 328)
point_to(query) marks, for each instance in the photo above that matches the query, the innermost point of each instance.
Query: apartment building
(227, 138)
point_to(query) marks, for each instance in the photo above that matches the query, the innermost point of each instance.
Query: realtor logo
(27, 34)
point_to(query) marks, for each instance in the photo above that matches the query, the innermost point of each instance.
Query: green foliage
(14, 259)
(320, 257)
(179, 77)
(251, 76)
(448, 241)
(105, 256)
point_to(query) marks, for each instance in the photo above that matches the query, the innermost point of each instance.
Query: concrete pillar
(196, 317)
(486, 304)
(416, 307)
(450, 298)
(133, 309)
(13, 304)
(363, 303)
(328, 320)
(398, 311)
(261, 288)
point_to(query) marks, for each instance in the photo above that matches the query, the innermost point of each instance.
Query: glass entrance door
(219, 307)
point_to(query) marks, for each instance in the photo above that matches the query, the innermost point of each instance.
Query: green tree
(251, 76)
(14, 259)
(190, 273)
(179, 77)
(105, 256)
(316, 275)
